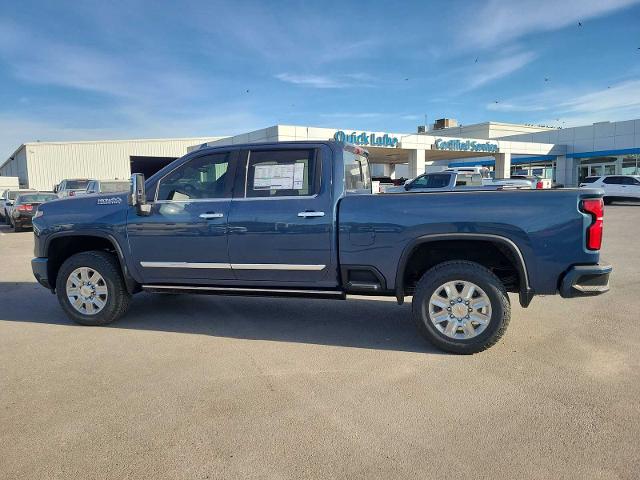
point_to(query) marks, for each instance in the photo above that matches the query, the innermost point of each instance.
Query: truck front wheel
(90, 288)
(461, 307)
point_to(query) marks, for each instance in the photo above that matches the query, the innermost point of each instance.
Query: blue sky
(132, 69)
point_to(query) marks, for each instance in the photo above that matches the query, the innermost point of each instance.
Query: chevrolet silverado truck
(299, 219)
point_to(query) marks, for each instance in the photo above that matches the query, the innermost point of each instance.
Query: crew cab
(299, 219)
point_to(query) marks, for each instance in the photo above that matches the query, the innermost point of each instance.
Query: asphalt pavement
(194, 387)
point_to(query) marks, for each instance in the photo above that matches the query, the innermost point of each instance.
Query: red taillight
(594, 207)
(72, 193)
(24, 208)
(539, 186)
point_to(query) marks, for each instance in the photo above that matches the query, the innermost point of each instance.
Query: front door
(281, 227)
(184, 239)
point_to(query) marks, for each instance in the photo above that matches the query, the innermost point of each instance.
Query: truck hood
(85, 209)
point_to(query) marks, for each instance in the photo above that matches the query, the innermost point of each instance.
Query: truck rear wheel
(91, 290)
(461, 307)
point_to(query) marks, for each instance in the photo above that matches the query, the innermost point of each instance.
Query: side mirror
(9, 203)
(138, 197)
(407, 185)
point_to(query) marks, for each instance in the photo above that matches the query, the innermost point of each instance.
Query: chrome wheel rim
(460, 309)
(87, 291)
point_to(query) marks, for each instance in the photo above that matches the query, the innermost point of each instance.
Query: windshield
(36, 198)
(76, 184)
(357, 178)
(113, 187)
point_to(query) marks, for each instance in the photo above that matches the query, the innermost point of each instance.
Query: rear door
(281, 227)
(184, 239)
(630, 187)
(612, 186)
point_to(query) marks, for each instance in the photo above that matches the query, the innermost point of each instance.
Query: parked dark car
(25, 207)
(299, 219)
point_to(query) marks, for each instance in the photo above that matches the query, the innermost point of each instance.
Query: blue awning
(604, 153)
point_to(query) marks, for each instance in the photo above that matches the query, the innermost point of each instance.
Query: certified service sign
(459, 145)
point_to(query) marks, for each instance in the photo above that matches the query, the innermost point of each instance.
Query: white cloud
(501, 21)
(41, 61)
(566, 107)
(496, 69)
(326, 81)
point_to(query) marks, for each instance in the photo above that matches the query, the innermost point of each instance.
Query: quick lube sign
(363, 138)
(465, 145)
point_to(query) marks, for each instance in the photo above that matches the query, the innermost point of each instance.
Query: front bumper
(585, 281)
(39, 268)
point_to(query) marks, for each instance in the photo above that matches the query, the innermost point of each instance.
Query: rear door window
(612, 180)
(282, 173)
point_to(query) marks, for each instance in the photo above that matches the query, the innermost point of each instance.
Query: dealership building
(566, 155)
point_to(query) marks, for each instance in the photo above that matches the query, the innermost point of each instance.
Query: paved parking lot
(227, 387)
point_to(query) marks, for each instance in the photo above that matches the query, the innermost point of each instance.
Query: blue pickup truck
(299, 219)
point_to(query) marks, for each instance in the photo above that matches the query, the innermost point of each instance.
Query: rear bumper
(585, 280)
(39, 268)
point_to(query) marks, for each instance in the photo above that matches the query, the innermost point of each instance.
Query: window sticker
(298, 176)
(278, 177)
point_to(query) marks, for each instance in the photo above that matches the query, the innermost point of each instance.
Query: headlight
(38, 213)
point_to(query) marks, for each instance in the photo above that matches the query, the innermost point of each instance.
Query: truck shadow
(359, 322)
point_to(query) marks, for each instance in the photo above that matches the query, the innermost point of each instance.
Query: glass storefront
(631, 164)
(613, 165)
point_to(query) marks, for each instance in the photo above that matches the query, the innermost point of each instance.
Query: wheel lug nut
(467, 302)
(450, 316)
(459, 299)
(448, 309)
(452, 302)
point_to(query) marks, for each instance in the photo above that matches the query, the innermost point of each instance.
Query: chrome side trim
(226, 266)
(235, 266)
(276, 266)
(240, 289)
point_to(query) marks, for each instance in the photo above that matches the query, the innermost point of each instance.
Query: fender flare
(131, 284)
(526, 292)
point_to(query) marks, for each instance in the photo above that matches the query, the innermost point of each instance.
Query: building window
(631, 165)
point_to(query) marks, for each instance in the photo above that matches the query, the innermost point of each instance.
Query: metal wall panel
(47, 163)
(17, 167)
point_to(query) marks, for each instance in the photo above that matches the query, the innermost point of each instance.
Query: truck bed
(546, 226)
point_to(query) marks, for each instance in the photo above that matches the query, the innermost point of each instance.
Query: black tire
(107, 266)
(17, 228)
(463, 271)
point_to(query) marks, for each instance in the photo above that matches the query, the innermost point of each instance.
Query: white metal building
(566, 155)
(41, 165)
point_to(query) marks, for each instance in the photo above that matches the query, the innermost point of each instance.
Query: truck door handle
(311, 214)
(209, 215)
